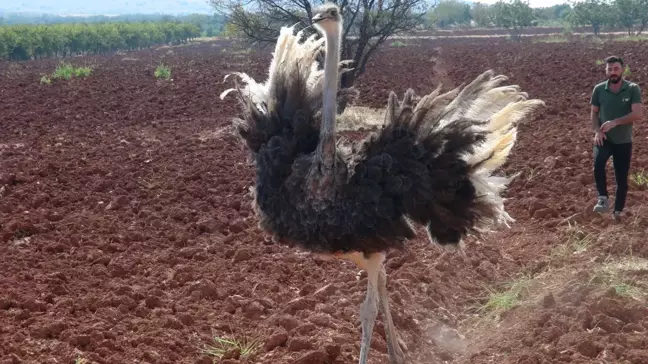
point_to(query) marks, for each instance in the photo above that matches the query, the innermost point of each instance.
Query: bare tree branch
(368, 23)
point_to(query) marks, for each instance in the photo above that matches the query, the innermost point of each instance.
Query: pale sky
(532, 3)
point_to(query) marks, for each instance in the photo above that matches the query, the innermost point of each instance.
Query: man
(616, 105)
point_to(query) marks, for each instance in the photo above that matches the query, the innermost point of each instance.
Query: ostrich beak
(318, 18)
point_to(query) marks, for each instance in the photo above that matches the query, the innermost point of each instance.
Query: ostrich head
(328, 19)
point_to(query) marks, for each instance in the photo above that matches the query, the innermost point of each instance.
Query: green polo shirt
(615, 105)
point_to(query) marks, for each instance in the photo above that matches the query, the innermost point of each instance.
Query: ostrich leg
(393, 348)
(369, 308)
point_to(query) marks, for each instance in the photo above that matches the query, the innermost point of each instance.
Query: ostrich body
(430, 164)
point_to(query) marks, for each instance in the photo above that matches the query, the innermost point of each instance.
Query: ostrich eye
(333, 13)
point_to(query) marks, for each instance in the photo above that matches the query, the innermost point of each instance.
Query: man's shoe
(616, 215)
(602, 205)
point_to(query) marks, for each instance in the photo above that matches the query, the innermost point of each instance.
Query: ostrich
(431, 163)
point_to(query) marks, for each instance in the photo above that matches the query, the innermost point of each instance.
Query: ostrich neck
(329, 104)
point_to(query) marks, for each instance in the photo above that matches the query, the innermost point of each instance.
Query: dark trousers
(621, 155)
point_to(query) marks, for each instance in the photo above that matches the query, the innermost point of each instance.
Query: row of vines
(23, 42)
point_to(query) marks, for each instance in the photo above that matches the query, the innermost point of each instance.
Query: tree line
(631, 15)
(23, 42)
(368, 24)
(514, 15)
(210, 25)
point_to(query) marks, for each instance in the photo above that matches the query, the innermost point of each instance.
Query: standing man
(616, 104)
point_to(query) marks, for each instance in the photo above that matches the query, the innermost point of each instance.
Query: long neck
(329, 105)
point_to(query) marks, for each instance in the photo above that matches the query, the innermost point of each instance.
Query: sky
(532, 3)
(106, 7)
(114, 7)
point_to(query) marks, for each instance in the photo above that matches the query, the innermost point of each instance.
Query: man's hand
(608, 125)
(599, 136)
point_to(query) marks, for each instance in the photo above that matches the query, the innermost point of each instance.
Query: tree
(450, 12)
(553, 15)
(631, 13)
(596, 13)
(514, 16)
(483, 14)
(367, 23)
(560, 11)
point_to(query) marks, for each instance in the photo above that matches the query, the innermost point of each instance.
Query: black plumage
(402, 172)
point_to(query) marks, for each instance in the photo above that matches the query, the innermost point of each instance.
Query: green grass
(163, 71)
(553, 39)
(66, 71)
(577, 242)
(499, 302)
(222, 346)
(640, 178)
(621, 276)
(632, 38)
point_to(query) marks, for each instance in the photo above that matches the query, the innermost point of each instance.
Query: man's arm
(634, 115)
(594, 111)
(637, 110)
(594, 117)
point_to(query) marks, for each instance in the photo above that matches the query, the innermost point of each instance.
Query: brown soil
(127, 233)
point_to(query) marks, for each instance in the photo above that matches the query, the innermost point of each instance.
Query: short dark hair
(614, 59)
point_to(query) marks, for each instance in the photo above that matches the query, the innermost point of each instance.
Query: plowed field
(127, 236)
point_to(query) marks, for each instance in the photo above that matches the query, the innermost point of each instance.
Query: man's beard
(614, 79)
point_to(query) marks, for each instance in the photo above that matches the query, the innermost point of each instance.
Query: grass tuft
(223, 346)
(163, 71)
